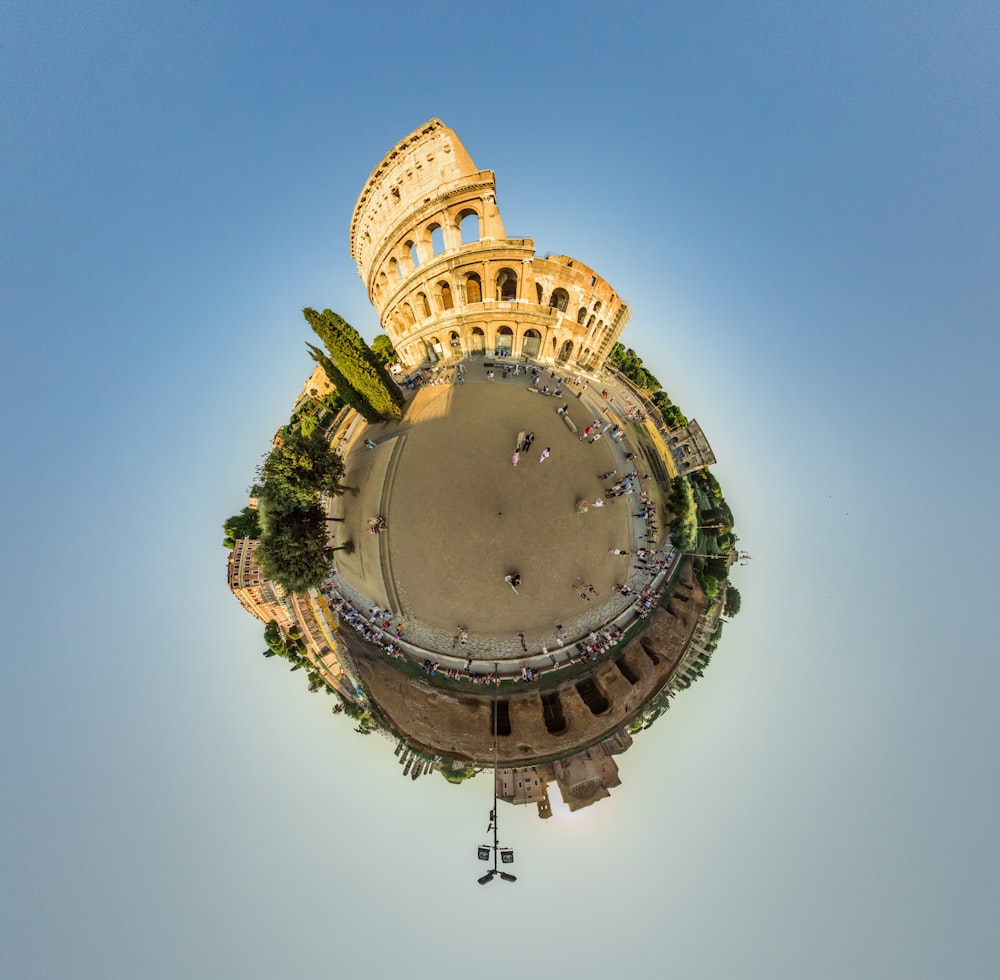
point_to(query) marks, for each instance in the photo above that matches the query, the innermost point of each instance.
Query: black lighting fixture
(506, 855)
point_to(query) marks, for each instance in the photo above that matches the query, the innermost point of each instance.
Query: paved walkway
(460, 517)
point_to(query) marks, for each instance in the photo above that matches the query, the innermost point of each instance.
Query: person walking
(516, 458)
(544, 456)
(528, 440)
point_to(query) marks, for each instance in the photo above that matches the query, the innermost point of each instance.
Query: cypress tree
(345, 389)
(357, 363)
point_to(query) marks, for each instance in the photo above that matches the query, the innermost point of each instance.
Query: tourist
(545, 455)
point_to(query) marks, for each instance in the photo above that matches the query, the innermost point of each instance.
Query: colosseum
(448, 283)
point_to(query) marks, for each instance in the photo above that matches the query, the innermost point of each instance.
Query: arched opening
(500, 718)
(538, 292)
(597, 307)
(531, 343)
(468, 227)
(505, 341)
(473, 288)
(437, 239)
(408, 318)
(414, 256)
(627, 672)
(422, 305)
(592, 696)
(559, 300)
(395, 269)
(582, 315)
(566, 351)
(434, 349)
(454, 342)
(444, 291)
(552, 713)
(506, 284)
(478, 341)
(590, 322)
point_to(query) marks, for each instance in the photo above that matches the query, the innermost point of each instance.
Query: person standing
(545, 455)
(516, 458)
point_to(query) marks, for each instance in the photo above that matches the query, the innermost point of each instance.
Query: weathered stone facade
(447, 282)
(535, 727)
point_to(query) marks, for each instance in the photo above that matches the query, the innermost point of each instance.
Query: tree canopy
(293, 531)
(245, 524)
(732, 606)
(382, 348)
(299, 469)
(292, 551)
(356, 363)
(684, 513)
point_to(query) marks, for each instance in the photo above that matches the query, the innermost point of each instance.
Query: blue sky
(800, 204)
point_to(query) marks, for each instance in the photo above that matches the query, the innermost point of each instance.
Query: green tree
(292, 551)
(684, 513)
(382, 348)
(732, 605)
(245, 524)
(710, 584)
(355, 399)
(300, 468)
(357, 363)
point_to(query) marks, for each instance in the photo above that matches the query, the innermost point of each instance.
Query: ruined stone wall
(544, 725)
(446, 281)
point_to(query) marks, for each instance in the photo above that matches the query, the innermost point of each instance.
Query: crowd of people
(377, 626)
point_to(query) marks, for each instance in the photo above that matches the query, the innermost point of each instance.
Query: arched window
(538, 292)
(566, 351)
(445, 292)
(468, 227)
(506, 284)
(582, 315)
(590, 322)
(473, 288)
(395, 267)
(414, 256)
(505, 341)
(559, 300)
(423, 305)
(408, 316)
(597, 307)
(437, 239)
(454, 341)
(531, 343)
